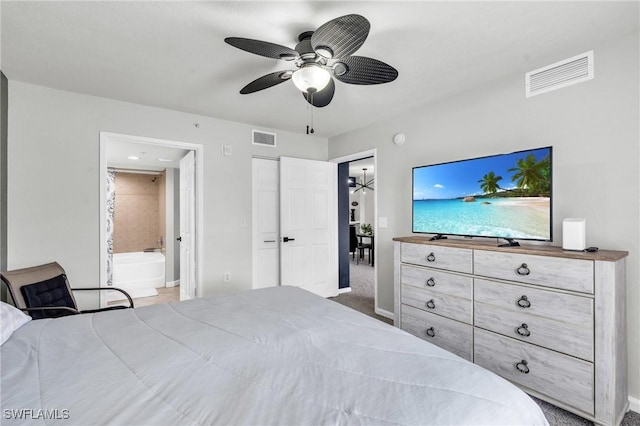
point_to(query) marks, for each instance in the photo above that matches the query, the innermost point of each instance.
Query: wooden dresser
(551, 321)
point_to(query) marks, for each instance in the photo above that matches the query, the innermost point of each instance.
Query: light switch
(382, 222)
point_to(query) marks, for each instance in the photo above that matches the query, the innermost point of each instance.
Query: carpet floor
(361, 298)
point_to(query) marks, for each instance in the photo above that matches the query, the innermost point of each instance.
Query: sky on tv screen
(460, 178)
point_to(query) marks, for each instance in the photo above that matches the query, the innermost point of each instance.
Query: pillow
(11, 319)
(52, 292)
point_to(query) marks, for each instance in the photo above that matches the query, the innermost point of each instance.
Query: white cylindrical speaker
(574, 234)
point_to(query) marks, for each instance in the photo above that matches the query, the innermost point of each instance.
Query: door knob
(179, 239)
(287, 239)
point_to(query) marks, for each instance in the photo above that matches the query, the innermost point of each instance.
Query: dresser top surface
(540, 250)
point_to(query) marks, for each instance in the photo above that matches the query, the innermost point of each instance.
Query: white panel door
(187, 227)
(309, 225)
(266, 223)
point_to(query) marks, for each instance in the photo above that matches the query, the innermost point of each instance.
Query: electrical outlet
(227, 277)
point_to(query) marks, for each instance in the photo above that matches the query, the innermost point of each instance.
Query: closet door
(309, 225)
(266, 223)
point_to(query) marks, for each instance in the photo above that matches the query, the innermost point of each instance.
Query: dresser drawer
(557, 321)
(450, 335)
(562, 307)
(438, 281)
(562, 273)
(442, 304)
(449, 258)
(559, 376)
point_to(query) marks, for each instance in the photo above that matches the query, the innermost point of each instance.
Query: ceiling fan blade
(363, 70)
(266, 81)
(340, 37)
(263, 48)
(323, 97)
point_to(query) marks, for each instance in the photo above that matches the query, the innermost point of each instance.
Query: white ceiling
(149, 157)
(172, 54)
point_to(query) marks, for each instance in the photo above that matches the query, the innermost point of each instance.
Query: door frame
(198, 149)
(359, 156)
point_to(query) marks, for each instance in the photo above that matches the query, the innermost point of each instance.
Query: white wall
(53, 175)
(3, 172)
(593, 128)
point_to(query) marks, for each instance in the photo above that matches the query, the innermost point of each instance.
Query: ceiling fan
(365, 184)
(318, 56)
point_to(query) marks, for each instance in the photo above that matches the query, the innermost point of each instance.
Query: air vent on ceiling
(561, 74)
(264, 138)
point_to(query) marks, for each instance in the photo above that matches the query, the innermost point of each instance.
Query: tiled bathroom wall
(139, 219)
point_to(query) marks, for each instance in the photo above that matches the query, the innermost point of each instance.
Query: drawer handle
(431, 282)
(523, 270)
(523, 302)
(523, 330)
(431, 332)
(522, 367)
(431, 257)
(431, 304)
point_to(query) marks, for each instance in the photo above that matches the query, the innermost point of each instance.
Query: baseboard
(175, 283)
(634, 404)
(344, 290)
(383, 313)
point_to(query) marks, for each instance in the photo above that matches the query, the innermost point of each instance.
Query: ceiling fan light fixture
(311, 76)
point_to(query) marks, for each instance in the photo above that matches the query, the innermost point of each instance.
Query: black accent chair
(43, 291)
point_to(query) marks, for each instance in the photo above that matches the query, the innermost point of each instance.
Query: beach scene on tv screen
(505, 196)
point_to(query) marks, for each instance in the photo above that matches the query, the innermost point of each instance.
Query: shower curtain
(111, 202)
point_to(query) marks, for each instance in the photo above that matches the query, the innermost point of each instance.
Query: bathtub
(138, 273)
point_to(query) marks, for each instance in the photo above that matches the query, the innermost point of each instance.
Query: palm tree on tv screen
(489, 183)
(532, 176)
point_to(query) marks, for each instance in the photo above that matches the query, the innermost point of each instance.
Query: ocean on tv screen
(517, 218)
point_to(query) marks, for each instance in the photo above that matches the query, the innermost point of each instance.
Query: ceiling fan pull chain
(311, 108)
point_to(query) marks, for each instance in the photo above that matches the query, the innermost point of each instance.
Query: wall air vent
(264, 138)
(561, 74)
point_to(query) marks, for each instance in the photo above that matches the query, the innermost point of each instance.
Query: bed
(271, 356)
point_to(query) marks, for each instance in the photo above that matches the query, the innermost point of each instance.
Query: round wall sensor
(399, 138)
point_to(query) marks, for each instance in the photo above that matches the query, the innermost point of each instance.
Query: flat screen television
(504, 196)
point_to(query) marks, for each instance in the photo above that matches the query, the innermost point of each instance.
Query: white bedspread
(273, 356)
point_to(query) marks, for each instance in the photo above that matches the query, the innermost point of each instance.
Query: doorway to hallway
(357, 224)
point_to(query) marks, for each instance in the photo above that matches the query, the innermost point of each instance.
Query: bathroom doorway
(146, 255)
(149, 238)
